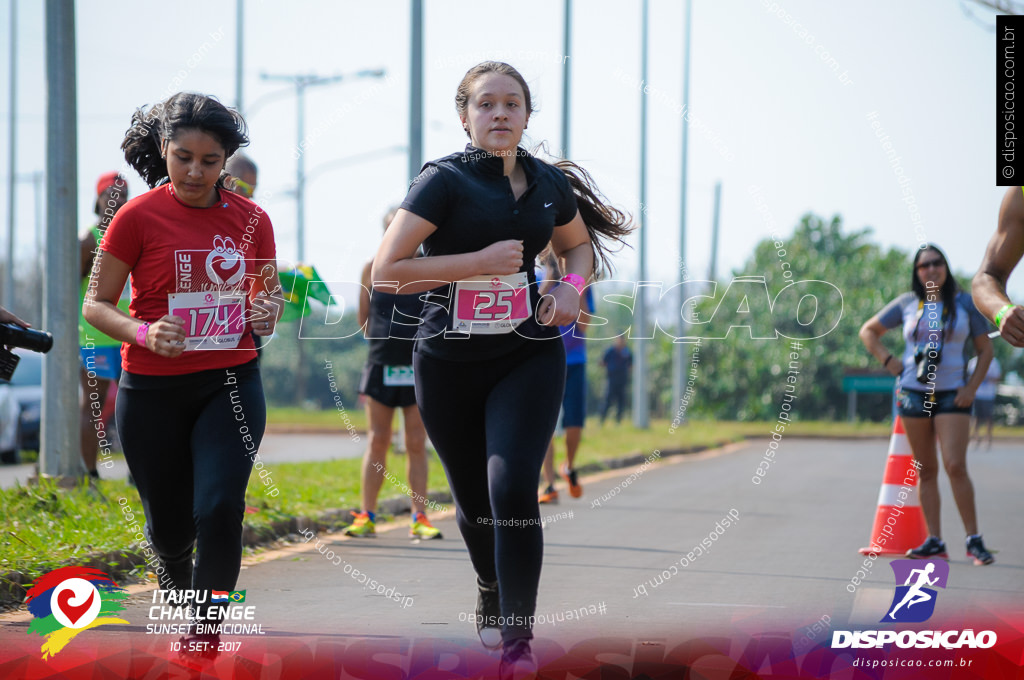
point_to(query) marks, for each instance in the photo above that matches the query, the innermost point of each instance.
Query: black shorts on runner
(575, 399)
(911, 403)
(394, 396)
(984, 409)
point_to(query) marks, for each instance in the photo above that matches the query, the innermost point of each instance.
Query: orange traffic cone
(899, 522)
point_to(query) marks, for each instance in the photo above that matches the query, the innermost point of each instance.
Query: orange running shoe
(549, 496)
(575, 490)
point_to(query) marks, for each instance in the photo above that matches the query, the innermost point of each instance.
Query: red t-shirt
(175, 248)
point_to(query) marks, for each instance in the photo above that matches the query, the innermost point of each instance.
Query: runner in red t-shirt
(190, 409)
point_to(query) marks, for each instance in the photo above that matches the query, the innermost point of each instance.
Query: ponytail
(185, 110)
(605, 223)
(141, 146)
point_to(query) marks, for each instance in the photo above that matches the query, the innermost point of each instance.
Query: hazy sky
(767, 110)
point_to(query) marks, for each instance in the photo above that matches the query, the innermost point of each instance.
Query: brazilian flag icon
(237, 596)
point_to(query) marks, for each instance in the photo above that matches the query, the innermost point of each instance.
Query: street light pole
(640, 396)
(239, 50)
(678, 359)
(60, 453)
(566, 77)
(416, 91)
(301, 82)
(8, 296)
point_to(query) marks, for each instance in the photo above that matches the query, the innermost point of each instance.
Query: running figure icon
(915, 594)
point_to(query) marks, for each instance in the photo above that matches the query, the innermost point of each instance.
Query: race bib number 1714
(212, 320)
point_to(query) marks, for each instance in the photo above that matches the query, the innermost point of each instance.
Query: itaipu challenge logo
(914, 601)
(70, 600)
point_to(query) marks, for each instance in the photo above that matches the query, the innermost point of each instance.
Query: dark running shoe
(933, 547)
(548, 496)
(517, 661)
(976, 549)
(488, 611)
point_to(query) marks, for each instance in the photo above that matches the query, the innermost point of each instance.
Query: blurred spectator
(617, 361)
(985, 399)
(100, 353)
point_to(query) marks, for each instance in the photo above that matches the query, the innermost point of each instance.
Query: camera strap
(920, 314)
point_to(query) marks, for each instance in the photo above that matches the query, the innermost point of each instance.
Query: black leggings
(491, 422)
(190, 441)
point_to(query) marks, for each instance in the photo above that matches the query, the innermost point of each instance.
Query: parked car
(10, 426)
(27, 387)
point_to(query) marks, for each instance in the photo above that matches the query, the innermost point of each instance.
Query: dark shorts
(394, 396)
(575, 400)
(105, 362)
(984, 409)
(912, 404)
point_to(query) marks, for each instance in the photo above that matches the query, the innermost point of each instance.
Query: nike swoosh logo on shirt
(548, 205)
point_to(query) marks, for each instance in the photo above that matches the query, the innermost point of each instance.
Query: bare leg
(549, 464)
(416, 463)
(954, 435)
(921, 435)
(573, 435)
(378, 418)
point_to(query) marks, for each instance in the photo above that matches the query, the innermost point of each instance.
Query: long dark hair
(184, 110)
(606, 224)
(947, 292)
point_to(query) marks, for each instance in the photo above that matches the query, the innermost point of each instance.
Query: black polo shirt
(469, 199)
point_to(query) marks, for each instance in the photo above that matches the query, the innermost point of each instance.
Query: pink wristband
(576, 281)
(140, 334)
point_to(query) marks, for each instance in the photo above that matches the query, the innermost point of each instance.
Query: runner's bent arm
(267, 301)
(396, 260)
(870, 334)
(571, 243)
(100, 310)
(86, 245)
(364, 295)
(1003, 253)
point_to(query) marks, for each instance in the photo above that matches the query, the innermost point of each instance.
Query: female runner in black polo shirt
(489, 367)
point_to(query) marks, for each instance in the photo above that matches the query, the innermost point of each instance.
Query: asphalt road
(784, 563)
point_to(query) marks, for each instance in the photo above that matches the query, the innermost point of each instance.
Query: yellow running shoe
(422, 528)
(362, 526)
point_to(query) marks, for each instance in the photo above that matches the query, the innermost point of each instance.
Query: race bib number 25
(490, 305)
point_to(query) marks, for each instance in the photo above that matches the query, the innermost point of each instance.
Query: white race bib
(212, 320)
(491, 305)
(398, 376)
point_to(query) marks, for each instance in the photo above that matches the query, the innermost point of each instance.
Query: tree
(744, 378)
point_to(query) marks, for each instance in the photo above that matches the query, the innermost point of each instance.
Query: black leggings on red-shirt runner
(491, 422)
(184, 438)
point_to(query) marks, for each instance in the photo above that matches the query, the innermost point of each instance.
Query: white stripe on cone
(889, 496)
(899, 445)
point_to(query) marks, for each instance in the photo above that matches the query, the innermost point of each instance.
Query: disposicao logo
(69, 600)
(915, 591)
(914, 602)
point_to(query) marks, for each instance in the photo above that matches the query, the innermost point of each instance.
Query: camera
(12, 335)
(927, 356)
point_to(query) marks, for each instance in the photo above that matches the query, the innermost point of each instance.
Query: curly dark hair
(163, 121)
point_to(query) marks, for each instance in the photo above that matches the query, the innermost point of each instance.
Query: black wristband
(886, 362)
